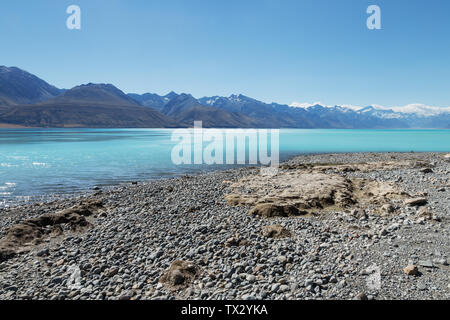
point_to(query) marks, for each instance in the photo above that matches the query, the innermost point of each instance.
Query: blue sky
(272, 50)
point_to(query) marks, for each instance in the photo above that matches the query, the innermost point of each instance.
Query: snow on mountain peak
(415, 108)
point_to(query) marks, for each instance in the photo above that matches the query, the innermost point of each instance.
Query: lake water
(36, 163)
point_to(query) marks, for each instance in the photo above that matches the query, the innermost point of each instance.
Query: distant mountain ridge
(95, 93)
(20, 87)
(26, 100)
(90, 105)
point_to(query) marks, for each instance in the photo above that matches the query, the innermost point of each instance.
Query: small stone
(425, 213)
(275, 287)
(126, 296)
(416, 202)
(60, 262)
(112, 272)
(282, 259)
(258, 269)
(309, 282)
(284, 288)
(442, 261)
(411, 270)
(426, 264)
(275, 231)
(361, 296)
(421, 286)
(388, 208)
(43, 252)
(358, 213)
(250, 278)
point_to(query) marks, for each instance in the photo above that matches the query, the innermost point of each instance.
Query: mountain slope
(20, 87)
(180, 103)
(26, 100)
(153, 100)
(91, 105)
(266, 115)
(94, 94)
(214, 118)
(317, 116)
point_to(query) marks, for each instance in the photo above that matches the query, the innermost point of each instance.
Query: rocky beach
(367, 226)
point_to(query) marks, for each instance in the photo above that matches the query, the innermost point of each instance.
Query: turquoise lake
(37, 163)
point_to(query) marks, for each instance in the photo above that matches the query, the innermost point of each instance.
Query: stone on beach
(411, 270)
(180, 274)
(275, 231)
(337, 253)
(416, 202)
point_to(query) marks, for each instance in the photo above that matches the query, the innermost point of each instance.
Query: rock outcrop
(21, 237)
(295, 192)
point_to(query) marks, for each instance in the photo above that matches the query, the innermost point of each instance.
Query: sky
(272, 50)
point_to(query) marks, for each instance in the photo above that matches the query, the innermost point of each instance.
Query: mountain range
(27, 101)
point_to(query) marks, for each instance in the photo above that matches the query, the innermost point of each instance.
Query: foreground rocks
(182, 238)
(180, 275)
(275, 231)
(298, 190)
(21, 237)
(411, 270)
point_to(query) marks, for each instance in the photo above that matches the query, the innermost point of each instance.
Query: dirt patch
(21, 237)
(269, 210)
(275, 231)
(180, 275)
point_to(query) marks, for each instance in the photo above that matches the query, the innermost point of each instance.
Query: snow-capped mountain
(388, 112)
(316, 115)
(26, 100)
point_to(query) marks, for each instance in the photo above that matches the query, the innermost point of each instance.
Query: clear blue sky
(272, 50)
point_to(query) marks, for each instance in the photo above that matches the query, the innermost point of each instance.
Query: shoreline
(86, 192)
(145, 227)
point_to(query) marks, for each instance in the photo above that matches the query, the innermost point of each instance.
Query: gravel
(147, 226)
